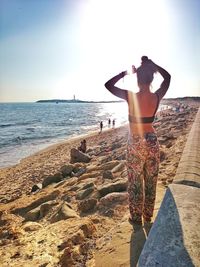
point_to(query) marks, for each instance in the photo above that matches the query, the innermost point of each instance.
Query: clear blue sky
(58, 48)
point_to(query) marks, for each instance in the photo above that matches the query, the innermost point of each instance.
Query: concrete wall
(174, 239)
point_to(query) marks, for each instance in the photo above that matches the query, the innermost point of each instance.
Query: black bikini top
(144, 119)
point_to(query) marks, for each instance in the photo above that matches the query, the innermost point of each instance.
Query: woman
(142, 147)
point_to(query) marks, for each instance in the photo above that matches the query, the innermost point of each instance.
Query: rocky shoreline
(56, 207)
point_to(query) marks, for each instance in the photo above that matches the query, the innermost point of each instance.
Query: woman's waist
(141, 128)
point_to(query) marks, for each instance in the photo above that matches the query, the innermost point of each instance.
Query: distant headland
(74, 101)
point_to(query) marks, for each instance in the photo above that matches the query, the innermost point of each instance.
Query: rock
(88, 229)
(88, 185)
(162, 155)
(63, 182)
(169, 136)
(33, 215)
(105, 159)
(118, 186)
(169, 144)
(119, 167)
(31, 226)
(115, 146)
(72, 181)
(80, 172)
(78, 156)
(87, 205)
(39, 212)
(64, 212)
(78, 166)
(84, 193)
(46, 207)
(78, 237)
(107, 174)
(161, 132)
(36, 187)
(109, 165)
(67, 170)
(113, 198)
(36, 203)
(67, 258)
(75, 188)
(92, 174)
(94, 150)
(180, 120)
(95, 194)
(120, 157)
(52, 179)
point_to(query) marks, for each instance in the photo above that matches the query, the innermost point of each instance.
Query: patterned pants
(143, 166)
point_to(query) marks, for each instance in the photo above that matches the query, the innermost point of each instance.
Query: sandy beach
(55, 211)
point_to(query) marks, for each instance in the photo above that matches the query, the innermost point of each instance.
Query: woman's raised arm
(166, 82)
(110, 85)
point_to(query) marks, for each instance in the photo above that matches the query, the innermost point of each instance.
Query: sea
(26, 128)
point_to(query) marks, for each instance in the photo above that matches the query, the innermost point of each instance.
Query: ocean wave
(6, 125)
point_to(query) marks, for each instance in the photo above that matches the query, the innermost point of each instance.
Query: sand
(81, 219)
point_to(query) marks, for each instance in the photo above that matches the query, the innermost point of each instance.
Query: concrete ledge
(175, 235)
(188, 171)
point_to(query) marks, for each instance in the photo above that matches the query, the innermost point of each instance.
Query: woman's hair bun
(145, 73)
(144, 59)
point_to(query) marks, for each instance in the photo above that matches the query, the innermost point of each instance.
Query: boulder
(31, 226)
(162, 155)
(84, 193)
(78, 237)
(92, 174)
(105, 159)
(169, 144)
(169, 136)
(46, 207)
(64, 212)
(109, 165)
(36, 203)
(67, 170)
(88, 185)
(80, 172)
(107, 174)
(36, 187)
(33, 215)
(113, 198)
(39, 212)
(119, 167)
(78, 166)
(52, 179)
(88, 229)
(115, 145)
(78, 156)
(118, 186)
(67, 258)
(87, 205)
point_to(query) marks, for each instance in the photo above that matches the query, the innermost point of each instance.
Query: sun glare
(119, 32)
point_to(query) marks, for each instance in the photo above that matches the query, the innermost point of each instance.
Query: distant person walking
(109, 122)
(101, 126)
(113, 123)
(142, 146)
